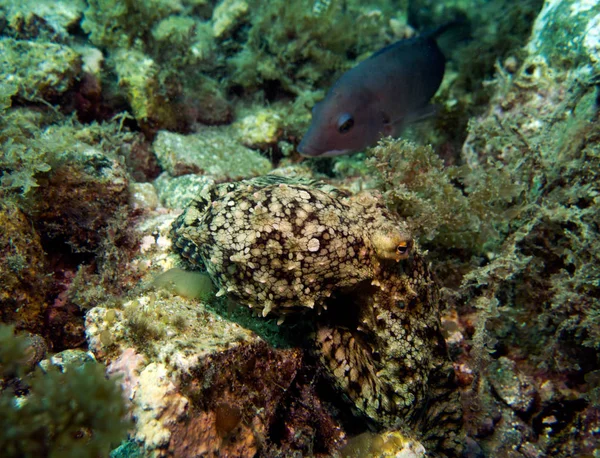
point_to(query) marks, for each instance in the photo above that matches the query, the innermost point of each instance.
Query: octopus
(282, 246)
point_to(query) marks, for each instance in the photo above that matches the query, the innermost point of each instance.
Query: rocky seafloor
(435, 295)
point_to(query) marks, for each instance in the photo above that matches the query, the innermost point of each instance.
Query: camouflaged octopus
(280, 245)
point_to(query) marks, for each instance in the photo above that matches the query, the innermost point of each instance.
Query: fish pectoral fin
(389, 127)
(392, 127)
(389, 130)
(395, 127)
(422, 113)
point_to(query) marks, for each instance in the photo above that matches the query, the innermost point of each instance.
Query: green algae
(446, 206)
(298, 46)
(118, 24)
(75, 411)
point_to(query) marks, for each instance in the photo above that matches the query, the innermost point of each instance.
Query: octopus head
(392, 242)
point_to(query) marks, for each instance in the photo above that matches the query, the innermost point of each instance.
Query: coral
(73, 411)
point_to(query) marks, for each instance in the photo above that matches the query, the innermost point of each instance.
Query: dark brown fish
(377, 98)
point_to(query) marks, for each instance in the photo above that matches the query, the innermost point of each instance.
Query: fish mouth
(335, 152)
(308, 151)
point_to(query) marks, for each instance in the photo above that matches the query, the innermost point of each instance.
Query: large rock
(212, 151)
(33, 70)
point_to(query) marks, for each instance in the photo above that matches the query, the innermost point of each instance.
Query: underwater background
(123, 123)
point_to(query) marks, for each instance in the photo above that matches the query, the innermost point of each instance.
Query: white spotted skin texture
(389, 358)
(279, 245)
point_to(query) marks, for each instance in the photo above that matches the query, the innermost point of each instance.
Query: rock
(68, 359)
(211, 151)
(138, 76)
(567, 33)
(157, 406)
(81, 196)
(177, 192)
(24, 281)
(32, 70)
(227, 16)
(28, 18)
(516, 389)
(260, 129)
(143, 196)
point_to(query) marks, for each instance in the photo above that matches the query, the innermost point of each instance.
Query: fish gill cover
(436, 293)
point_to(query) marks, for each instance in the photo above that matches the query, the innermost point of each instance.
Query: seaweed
(76, 411)
(297, 46)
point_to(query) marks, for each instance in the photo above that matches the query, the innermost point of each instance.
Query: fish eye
(345, 123)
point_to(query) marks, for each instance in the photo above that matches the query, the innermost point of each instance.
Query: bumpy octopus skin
(281, 245)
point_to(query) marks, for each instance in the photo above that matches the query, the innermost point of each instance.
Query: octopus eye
(402, 249)
(345, 123)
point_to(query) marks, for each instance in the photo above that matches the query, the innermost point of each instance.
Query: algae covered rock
(177, 192)
(82, 195)
(211, 151)
(537, 292)
(117, 24)
(138, 76)
(24, 283)
(30, 18)
(260, 128)
(37, 70)
(566, 33)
